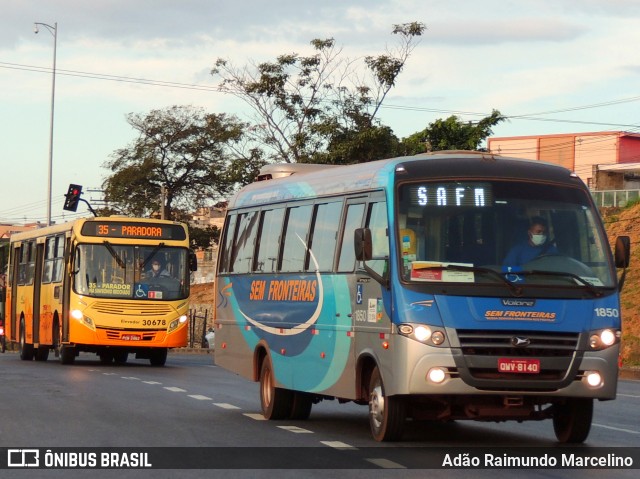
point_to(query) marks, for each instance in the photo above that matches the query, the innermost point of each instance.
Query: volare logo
(529, 303)
(23, 458)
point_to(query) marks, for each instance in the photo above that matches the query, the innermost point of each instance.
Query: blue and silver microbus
(393, 284)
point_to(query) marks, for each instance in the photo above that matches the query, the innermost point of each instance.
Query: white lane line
(386, 463)
(629, 395)
(617, 429)
(175, 389)
(130, 377)
(151, 382)
(199, 397)
(257, 417)
(338, 445)
(296, 429)
(109, 374)
(225, 405)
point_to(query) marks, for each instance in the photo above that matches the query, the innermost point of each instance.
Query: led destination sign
(122, 229)
(451, 194)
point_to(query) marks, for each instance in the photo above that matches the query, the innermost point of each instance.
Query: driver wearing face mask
(535, 245)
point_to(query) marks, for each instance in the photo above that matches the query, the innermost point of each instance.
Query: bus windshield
(131, 272)
(530, 233)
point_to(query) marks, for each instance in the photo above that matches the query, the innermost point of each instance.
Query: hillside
(619, 222)
(627, 222)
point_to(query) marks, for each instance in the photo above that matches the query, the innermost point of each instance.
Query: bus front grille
(132, 309)
(480, 352)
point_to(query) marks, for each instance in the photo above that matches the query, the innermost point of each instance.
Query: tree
(183, 155)
(451, 134)
(317, 107)
(204, 237)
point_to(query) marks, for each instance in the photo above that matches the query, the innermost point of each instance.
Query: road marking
(629, 395)
(617, 429)
(257, 417)
(296, 429)
(225, 405)
(175, 389)
(109, 374)
(338, 445)
(386, 463)
(151, 382)
(199, 397)
(130, 377)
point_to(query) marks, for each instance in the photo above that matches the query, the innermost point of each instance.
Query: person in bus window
(157, 270)
(536, 244)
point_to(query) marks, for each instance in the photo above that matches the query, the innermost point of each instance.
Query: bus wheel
(386, 413)
(42, 353)
(67, 354)
(158, 357)
(572, 420)
(120, 356)
(277, 403)
(26, 350)
(301, 405)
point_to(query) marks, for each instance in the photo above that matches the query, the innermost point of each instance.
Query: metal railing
(619, 198)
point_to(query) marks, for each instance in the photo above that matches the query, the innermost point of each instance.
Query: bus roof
(304, 181)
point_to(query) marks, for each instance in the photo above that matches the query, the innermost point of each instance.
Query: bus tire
(67, 354)
(158, 357)
(572, 420)
(386, 413)
(120, 356)
(276, 403)
(42, 353)
(25, 350)
(301, 405)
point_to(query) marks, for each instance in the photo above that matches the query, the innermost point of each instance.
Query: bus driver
(535, 245)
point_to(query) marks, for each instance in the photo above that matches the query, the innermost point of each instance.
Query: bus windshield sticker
(437, 271)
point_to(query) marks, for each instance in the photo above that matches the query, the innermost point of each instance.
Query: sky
(551, 66)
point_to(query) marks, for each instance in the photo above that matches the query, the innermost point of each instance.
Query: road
(193, 403)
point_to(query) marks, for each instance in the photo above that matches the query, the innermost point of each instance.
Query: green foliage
(316, 108)
(204, 237)
(451, 134)
(182, 153)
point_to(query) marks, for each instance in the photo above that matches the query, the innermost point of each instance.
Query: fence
(619, 198)
(200, 321)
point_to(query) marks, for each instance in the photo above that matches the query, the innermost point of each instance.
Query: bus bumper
(439, 373)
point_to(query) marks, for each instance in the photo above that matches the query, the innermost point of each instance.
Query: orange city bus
(88, 286)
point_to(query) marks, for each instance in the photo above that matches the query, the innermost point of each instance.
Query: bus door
(37, 292)
(13, 281)
(371, 298)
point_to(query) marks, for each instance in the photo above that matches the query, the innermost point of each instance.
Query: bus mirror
(622, 251)
(363, 244)
(193, 261)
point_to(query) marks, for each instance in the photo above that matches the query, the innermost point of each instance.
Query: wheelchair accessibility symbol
(141, 291)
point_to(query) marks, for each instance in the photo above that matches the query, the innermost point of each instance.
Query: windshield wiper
(583, 282)
(151, 255)
(115, 255)
(515, 289)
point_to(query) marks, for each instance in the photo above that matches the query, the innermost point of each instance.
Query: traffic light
(73, 197)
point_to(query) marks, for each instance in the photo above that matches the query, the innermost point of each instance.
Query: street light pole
(54, 31)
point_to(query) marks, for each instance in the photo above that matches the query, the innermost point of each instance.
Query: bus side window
(324, 236)
(269, 241)
(294, 249)
(347, 260)
(227, 242)
(244, 243)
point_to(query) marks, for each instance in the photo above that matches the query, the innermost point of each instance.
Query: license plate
(520, 366)
(130, 337)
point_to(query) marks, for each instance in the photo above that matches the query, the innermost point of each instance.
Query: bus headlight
(178, 321)
(79, 316)
(602, 339)
(423, 333)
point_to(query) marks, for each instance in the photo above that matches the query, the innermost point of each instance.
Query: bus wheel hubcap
(376, 406)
